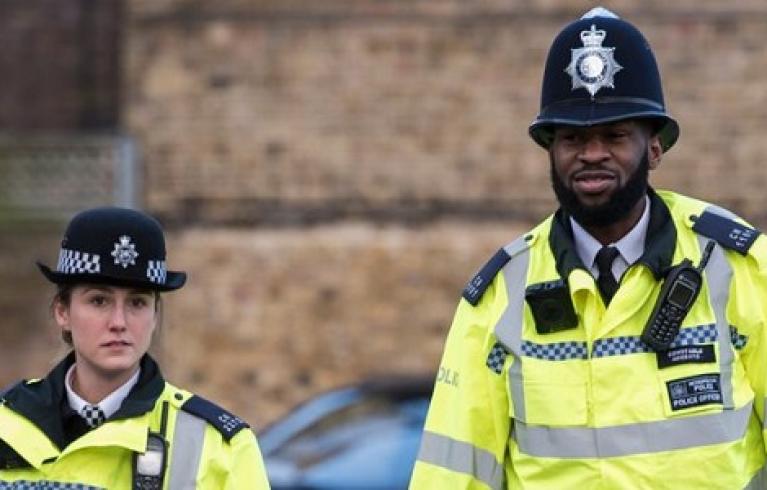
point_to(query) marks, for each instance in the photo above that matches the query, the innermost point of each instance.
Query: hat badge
(593, 66)
(125, 252)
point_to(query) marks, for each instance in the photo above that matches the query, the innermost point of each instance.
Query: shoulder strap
(225, 422)
(714, 224)
(476, 288)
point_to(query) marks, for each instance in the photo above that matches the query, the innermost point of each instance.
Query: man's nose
(593, 150)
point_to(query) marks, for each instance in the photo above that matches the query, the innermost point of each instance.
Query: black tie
(606, 281)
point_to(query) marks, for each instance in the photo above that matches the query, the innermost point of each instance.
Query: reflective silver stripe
(508, 330)
(186, 451)
(759, 481)
(764, 415)
(630, 439)
(461, 457)
(719, 274)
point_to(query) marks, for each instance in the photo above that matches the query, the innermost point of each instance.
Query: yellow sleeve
(247, 469)
(747, 315)
(466, 434)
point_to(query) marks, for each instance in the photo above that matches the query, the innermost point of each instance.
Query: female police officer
(104, 417)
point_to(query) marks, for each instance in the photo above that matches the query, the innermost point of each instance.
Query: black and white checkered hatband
(115, 246)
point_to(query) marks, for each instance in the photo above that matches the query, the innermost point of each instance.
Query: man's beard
(621, 202)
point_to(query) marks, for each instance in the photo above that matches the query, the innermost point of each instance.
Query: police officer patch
(694, 391)
(592, 66)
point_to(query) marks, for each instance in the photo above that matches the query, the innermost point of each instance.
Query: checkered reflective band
(558, 351)
(621, 346)
(156, 271)
(76, 262)
(93, 415)
(497, 358)
(739, 340)
(44, 485)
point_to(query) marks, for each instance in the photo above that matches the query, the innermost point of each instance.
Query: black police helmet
(117, 247)
(600, 69)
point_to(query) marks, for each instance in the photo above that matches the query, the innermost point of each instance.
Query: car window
(352, 425)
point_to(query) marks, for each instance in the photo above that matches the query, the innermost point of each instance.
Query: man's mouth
(593, 181)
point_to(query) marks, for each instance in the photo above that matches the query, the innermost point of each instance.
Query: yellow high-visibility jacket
(206, 447)
(592, 406)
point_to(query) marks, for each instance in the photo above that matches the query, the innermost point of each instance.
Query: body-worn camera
(551, 306)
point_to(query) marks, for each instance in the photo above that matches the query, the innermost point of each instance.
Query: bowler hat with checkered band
(114, 246)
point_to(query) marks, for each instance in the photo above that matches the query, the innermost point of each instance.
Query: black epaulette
(226, 423)
(726, 231)
(476, 287)
(481, 281)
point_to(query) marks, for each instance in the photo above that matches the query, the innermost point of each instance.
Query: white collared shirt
(630, 247)
(108, 405)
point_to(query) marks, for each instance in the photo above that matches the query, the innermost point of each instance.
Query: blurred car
(364, 436)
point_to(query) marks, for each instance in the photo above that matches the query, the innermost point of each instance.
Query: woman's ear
(61, 313)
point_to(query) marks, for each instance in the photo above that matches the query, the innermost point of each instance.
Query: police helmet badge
(593, 66)
(125, 252)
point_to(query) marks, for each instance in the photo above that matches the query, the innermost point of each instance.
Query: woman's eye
(98, 300)
(139, 302)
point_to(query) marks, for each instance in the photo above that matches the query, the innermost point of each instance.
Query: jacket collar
(659, 243)
(43, 402)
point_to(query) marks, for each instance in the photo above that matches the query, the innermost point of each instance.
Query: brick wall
(305, 111)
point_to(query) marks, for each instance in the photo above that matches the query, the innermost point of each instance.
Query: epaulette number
(226, 423)
(479, 283)
(727, 232)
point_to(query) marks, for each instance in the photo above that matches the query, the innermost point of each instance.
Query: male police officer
(622, 343)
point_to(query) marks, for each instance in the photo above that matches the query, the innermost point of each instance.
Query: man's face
(599, 173)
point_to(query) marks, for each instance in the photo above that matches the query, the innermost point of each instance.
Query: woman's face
(111, 327)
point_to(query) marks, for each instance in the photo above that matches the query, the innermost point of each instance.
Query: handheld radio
(680, 290)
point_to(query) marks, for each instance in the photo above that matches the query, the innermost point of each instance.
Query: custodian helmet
(600, 69)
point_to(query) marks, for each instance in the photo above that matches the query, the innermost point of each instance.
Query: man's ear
(654, 151)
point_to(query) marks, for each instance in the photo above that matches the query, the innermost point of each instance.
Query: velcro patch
(728, 233)
(479, 283)
(686, 355)
(694, 391)
(226, 423)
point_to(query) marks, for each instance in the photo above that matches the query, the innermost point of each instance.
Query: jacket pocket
(558, 399)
